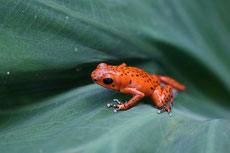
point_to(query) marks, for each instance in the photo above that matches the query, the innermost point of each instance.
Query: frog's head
(103, 76)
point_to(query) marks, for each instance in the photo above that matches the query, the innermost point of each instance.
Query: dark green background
(48, 49)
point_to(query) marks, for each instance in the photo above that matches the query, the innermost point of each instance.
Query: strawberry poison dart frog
(136, 82)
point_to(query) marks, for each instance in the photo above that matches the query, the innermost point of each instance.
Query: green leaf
(48, 102)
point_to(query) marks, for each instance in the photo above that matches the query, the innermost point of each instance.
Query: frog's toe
(161, 110)
(170, 114)
(111, 105)
(116, 100)
(171, 105)
(116, 110)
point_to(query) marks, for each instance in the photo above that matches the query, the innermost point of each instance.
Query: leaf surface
(48, 102)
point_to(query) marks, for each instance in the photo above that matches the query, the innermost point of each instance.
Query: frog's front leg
(137, 95)
(161, 96)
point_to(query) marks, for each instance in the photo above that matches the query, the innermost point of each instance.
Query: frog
(138, 83)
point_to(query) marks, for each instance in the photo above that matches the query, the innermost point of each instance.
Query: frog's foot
(116, 106)
(166, 108)
(112, 105)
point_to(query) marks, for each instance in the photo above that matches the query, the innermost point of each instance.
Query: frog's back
(132, 77)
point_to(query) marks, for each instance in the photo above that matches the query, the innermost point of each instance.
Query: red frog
(135, 81)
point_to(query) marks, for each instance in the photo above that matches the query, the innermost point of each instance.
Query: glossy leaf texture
(48, 49)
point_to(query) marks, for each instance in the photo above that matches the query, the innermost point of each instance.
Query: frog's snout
(94, 76)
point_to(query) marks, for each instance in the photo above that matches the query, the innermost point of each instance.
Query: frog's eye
(107, 80)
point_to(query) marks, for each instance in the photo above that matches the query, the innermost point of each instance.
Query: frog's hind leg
(161, 96)
(172, 82)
